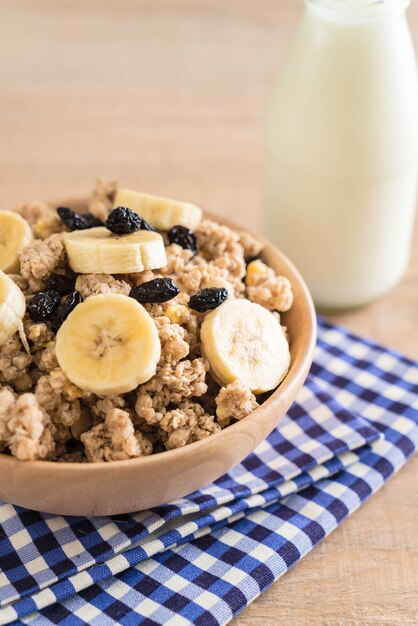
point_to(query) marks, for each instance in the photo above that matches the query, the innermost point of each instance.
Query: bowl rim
(172, 455)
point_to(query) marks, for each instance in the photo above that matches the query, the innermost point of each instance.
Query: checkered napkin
(202, 559)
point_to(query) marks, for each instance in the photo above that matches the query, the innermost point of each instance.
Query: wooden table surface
(169, 96)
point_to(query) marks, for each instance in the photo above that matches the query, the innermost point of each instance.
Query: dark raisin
(208, 299)
(43, 305)
(157, 290)
(183, 237)
(90, 221)
(147, 226)
(59, 283)
(123, 221)
(63, 311)
(250, 259)
(75, 221)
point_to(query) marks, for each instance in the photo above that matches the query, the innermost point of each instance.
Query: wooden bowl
(126, 486)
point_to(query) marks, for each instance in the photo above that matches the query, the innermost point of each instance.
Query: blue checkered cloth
(202, 559)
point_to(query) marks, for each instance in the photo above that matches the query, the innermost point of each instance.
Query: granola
(43, 415)
(42, 217)
(185, 424)
(101, 201)
(265, 288)
(40, 259)
(93, 284)
(234, 401)
(115, 439)
(25, 428)
(14, 364)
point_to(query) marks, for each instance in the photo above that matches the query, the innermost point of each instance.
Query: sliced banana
(15, 234)
(12, 308)
(97, 251)
(242, 340)
(108, 345)
(162, 213)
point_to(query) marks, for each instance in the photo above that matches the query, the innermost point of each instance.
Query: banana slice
(12, 308)
(242, 340)
(161, 213)
(108, 345)
(15, 234)
(98, 251)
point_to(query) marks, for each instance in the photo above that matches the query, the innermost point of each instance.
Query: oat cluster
(44, 416)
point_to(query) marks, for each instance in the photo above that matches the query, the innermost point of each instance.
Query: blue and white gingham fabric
(202, 559)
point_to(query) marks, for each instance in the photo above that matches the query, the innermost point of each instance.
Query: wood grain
(169, 95)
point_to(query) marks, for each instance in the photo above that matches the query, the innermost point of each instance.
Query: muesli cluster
(131, 327)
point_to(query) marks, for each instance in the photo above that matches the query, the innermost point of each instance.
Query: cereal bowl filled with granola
(145, 349)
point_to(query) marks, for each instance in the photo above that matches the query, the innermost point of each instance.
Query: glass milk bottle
(341, 150)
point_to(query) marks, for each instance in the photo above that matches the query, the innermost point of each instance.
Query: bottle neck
(353, 10)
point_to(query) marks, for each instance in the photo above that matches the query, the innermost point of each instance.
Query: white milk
(342, 150)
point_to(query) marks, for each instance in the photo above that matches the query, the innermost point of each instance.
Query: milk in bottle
(341, 150)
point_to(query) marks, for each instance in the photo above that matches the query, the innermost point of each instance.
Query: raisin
(207, 299)
(250, 259)
(75, 221)
(183, 237)
(156, 290)
(43, 305)
(62, 284)
(123, 221)
(69, 304)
